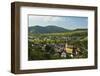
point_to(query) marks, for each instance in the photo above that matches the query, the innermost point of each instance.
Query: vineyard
(66, 45)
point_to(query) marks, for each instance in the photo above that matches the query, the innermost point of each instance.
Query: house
(68, 48)
(63, 54)
(72, 50)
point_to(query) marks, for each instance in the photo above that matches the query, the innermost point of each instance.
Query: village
(60, 49)
(50, 46)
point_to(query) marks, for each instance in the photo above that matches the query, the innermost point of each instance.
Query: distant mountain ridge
(80, 29)
(49, 29)
(46, 29)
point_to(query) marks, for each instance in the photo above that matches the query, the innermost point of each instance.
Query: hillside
(46, 29)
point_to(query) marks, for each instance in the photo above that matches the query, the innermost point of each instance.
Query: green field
(49, 46)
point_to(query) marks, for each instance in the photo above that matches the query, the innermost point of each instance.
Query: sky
(67, 22)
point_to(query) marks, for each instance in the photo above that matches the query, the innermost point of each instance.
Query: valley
(67, 44)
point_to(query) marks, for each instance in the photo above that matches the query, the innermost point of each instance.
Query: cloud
(45, 18)
(56, 19)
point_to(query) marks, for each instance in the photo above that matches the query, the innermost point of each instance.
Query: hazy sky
(68, 22)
